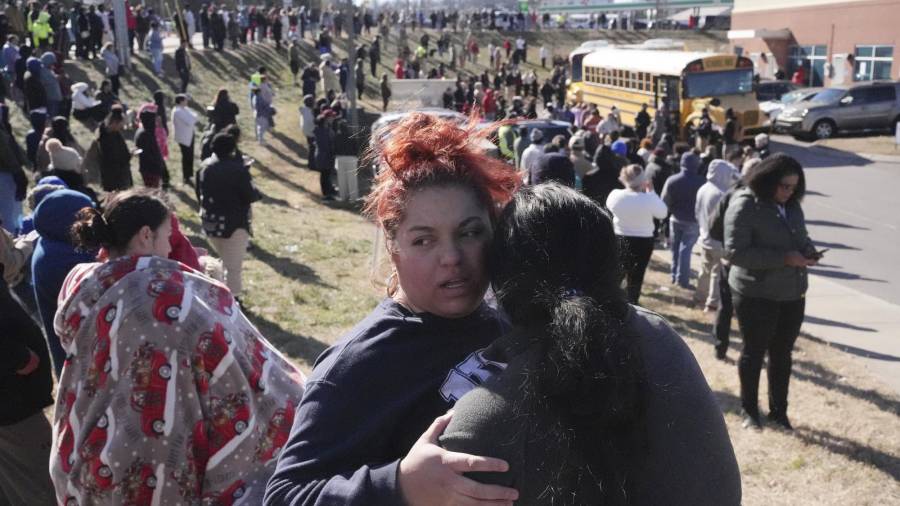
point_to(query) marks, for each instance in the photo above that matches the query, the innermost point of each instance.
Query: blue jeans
(682, 238)
(157, 58)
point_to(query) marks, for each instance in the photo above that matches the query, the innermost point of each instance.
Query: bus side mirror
(847, 100)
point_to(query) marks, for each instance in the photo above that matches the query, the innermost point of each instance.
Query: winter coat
(55, 255)
(33, 87)
(49, 79)
(170, 393)
(225, 191)
(756, 239)
(114, 160)
(150, 159)
(680, 191)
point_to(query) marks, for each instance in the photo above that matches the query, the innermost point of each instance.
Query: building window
(812, 60)
(873, 63)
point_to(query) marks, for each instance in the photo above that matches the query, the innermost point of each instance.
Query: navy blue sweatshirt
(371, 396)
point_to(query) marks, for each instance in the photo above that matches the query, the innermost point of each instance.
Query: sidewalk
(850, 321)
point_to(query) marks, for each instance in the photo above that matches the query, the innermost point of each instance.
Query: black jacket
(151, 160)
(115, 160)
(22, 396)
(225, 191)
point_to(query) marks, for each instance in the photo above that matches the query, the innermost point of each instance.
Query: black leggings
(767, 326)
(636, 253)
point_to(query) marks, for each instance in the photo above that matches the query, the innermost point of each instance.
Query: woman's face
(440, 252)
(786, 188)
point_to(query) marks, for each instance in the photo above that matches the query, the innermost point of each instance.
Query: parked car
(773, 90)
(869, 106)
(772, 108)
(550, 129)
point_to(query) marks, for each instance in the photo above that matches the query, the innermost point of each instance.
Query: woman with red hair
(366, 431)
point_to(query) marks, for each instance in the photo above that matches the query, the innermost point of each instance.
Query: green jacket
(506, 136)
(756, 240)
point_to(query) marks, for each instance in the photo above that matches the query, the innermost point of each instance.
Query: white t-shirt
(633, 212)
(183, 121)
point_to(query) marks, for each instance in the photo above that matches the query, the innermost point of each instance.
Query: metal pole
(121, 31)
(351, 58)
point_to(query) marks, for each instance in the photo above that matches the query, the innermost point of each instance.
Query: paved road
(854, 297)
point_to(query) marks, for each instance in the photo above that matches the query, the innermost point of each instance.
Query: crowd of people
(166, 392)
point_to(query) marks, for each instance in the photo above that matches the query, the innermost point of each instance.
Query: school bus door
(667, 92)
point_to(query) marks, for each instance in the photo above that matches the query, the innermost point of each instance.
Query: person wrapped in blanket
(169, 395)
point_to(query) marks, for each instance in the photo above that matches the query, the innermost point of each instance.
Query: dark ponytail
(125, 213)
(556, 272)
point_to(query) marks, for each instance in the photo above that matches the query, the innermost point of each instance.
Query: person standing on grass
(295, 59)
(308, 127)
(184, 122)
(634, 209)
(112, 66)
(263, 112)
(183, 65)
(114, 157)
(155, 48)
(769, 250)
(720, 176)
(151, 165)
(225, 191)
(385, 92)
(365, 433)
(325, 153)
(680, 195)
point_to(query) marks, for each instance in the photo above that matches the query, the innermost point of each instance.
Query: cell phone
(821, 253)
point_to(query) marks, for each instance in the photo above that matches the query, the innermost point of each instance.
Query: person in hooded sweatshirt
(680, 195)
(720, 176)
(151, 164)
(34, 92)
(53, 258)
(51, 83)
(604, 177)
(38, 120)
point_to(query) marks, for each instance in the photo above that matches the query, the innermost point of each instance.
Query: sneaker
(751, 421)
(328, 198)
(781, 420)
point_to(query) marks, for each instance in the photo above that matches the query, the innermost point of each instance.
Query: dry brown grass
(308, 281)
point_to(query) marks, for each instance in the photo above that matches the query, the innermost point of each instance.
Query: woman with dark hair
(224, 112)
(114, 158)
(168, 391)
(365, 432)
(768, 248)
(600, 402)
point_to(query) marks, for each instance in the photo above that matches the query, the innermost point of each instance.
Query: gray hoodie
(48, 78)
(720, 176)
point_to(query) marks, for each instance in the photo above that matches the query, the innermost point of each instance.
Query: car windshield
(794, 96)
(829, 95)
(716, 84)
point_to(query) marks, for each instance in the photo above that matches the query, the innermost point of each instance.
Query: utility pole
(351, 58)
(123, 44)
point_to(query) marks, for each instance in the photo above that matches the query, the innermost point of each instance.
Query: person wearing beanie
(680, 195)
(532, 152)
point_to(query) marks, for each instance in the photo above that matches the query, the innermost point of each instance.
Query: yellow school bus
(685, 81)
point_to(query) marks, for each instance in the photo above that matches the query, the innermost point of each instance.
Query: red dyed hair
(424, 150)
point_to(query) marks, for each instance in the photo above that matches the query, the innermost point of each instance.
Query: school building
(837, 42)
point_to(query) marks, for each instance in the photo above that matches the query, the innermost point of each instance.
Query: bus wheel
(823, 129)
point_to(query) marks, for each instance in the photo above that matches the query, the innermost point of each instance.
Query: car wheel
(165, 371)
(71, 502)
(240, 426)
(103, 422)
(111, 314)
(172, 312)
(151, 481)
(824, 129)
(107, 366)
(159, 427)
(238, 493)
(104, 472)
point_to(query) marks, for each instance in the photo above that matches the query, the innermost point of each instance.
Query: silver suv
(870, 106)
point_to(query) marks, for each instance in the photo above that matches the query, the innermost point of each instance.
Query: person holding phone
(767, 244)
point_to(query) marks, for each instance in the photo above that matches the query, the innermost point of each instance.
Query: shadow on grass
(819, 375)
(297, 346)
(288, 267)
